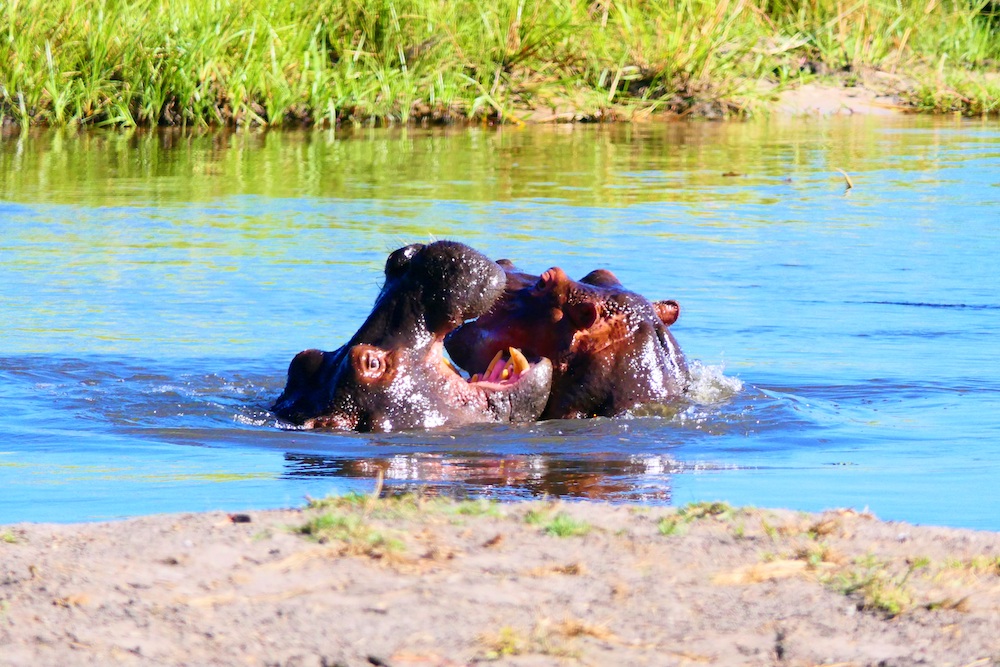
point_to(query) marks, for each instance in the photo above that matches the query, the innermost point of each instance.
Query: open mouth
(506, 368)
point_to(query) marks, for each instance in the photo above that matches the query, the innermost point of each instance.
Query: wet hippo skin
(611, 348)
(392, 376)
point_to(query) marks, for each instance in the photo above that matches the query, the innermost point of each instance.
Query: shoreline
(815, 98)
(528, 583)
(880, 94)
(811, 100)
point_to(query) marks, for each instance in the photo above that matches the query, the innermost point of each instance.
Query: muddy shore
(422, 581)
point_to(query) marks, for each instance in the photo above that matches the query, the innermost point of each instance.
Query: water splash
(710, 385)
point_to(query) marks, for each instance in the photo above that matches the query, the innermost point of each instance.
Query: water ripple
(917, 304)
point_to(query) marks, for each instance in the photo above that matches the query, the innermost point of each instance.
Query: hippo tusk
(493, 371)
(519, 360)
(501, 369)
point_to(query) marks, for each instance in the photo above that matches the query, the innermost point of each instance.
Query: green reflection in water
(58, 474)
(614, 165)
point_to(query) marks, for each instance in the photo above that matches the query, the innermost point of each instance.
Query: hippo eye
(369, 363)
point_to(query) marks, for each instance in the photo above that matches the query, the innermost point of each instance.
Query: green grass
(677, 522)
(406, 505)
(878, 589)
(671, 525)
(563, 525)
(350, 530)
(506, 642)
(261, 62)
(558, 525)
(8, 537)
(348, 518)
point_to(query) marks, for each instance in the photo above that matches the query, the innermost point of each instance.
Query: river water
(154, 286)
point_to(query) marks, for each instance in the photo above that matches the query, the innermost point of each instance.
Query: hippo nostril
(399, 260)
(550, 278)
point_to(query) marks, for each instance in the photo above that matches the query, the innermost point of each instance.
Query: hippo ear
(304, 367)
(668, 311)
(601, 278)
(370, 363)
(583, 315)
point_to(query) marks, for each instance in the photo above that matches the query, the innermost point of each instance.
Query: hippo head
(392, 374)
(611, 349)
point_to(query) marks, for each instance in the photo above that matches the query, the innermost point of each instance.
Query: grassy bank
(226, 62)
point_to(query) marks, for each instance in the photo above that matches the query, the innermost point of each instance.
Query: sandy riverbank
(429, 582)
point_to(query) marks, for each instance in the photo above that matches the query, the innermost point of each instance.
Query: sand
(423, 581)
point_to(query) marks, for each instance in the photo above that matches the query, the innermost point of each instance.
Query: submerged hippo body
(391, 375)
(611, 348)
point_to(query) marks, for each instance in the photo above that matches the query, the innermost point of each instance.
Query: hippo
(392, 375)
(611, 348)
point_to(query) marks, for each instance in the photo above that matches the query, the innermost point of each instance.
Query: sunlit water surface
(153, 288)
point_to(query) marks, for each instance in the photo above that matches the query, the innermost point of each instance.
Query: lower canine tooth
(488, 373)
(520, 362)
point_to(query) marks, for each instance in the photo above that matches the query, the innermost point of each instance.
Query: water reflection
(617, 165)
(598, 477)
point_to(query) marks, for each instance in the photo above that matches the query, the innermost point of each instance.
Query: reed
(246, 62)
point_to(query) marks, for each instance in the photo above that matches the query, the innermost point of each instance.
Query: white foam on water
(252, 420)
(710, 385)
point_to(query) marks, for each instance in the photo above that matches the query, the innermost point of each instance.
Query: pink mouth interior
(506, 368)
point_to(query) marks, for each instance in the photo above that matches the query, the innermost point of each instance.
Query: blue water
(153, 288)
